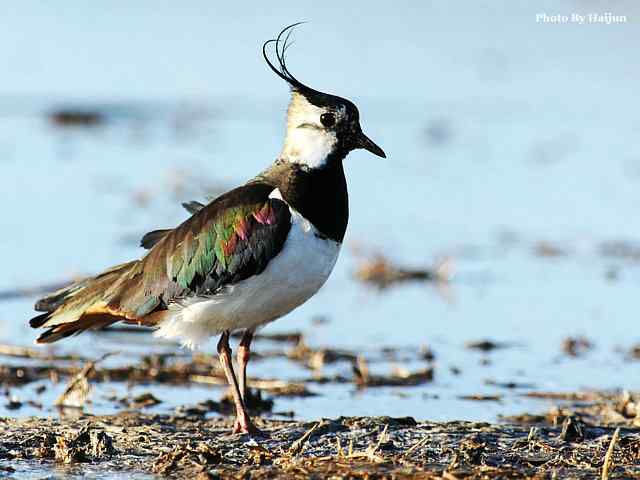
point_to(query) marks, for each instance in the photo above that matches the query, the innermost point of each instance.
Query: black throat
(320, 195)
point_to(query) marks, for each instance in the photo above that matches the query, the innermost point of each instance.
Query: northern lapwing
(245, 259)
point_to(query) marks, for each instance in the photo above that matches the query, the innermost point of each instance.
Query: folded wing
(230, 239)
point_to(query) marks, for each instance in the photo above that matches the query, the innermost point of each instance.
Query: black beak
(366, 143)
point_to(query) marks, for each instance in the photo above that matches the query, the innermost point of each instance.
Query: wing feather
(226, 241)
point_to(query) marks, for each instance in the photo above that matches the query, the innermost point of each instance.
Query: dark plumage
(151, 238)
(193, 206)
(320, 196)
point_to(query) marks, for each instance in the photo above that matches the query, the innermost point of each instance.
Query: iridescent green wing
(231, 239)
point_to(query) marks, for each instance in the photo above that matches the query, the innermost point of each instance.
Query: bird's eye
(328, 119)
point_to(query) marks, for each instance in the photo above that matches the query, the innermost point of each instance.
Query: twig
(608, 458)
(78, 389)
(340, 452)
(361, 370)
(370, 452)
(296, 447)
(416, 446)
(381, 438)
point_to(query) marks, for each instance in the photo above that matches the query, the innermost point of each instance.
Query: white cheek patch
(309, 146)
(307, 142)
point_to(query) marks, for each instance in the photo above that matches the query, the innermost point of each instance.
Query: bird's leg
(244, 355)
(243, 422)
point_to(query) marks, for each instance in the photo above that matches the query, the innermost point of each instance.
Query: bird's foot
(249, 428)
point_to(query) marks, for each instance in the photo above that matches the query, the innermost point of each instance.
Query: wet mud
(590, 439)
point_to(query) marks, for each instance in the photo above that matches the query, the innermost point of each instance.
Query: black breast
(320, 195)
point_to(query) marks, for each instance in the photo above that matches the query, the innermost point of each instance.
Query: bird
(243, 260)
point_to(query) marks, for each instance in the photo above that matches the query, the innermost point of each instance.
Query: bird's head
(321, 128)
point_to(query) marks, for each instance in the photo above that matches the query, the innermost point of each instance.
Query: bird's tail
(80, 306)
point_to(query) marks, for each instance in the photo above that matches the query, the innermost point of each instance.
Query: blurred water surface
(501, 133)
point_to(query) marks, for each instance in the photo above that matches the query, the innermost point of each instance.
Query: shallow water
(502, 134)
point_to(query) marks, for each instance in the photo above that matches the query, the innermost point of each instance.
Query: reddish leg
(244, 355)
(243, 422)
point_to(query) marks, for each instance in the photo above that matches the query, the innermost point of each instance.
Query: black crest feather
(281, 44)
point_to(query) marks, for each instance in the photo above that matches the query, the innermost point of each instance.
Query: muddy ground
(586, 435)
(597, 433)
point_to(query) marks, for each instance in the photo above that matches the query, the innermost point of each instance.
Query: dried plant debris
(573, 429)
(427, 353)
(634, 352)
(347, 447)
(568, 396)
(78, 388)
(180, 368)
(171, 368)
(74, 117)
(316, 358)
(398, 377)
(12, 375)
(275, 387)
(508, 385)
(382, 273)
(487, 345)
(143, 400)
(76, 442)
(186, 457)
(200, 409)
(298, 445)
(479, 397)
(35, 353)
(157, 368)
(548, 249)
(608, 459)
(576, 346)
(590, 408)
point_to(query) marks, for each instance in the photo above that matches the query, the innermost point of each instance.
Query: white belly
(291, 278)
